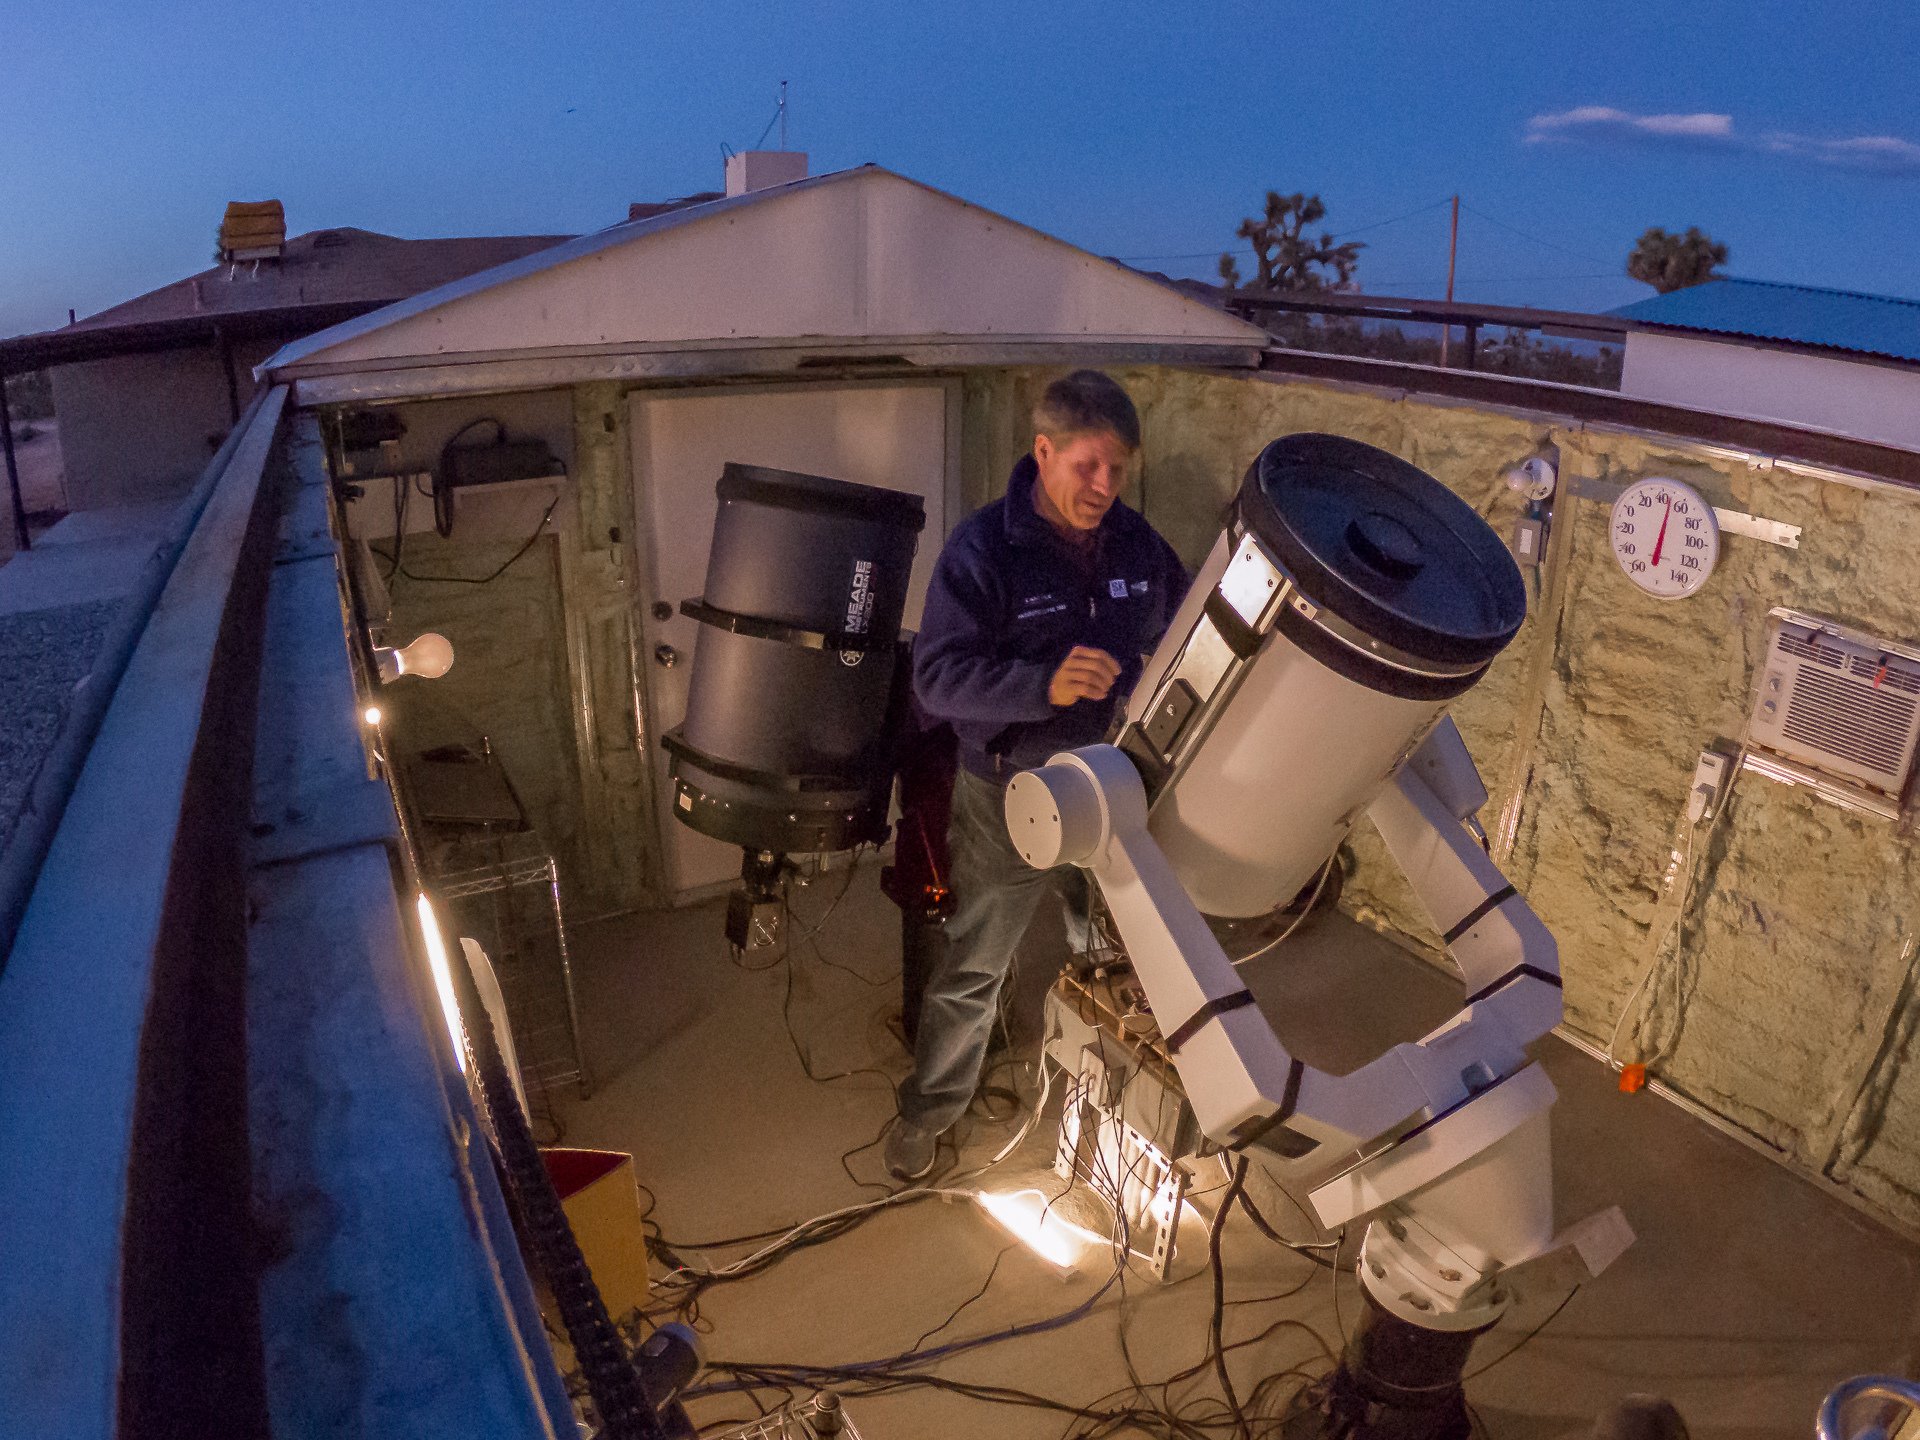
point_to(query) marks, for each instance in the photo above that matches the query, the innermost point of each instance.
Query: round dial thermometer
(1665, 537)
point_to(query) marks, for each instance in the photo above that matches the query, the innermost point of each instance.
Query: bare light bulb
(371, 715)
(430, 656)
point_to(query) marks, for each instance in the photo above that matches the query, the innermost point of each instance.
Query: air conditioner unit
(1840, 703)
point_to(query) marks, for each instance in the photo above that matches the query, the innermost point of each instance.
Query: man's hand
(1086, 674)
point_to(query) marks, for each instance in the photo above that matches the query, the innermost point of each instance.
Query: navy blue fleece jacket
(1010, 597)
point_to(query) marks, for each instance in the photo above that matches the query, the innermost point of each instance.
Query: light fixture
(372, 716)
(442, 969)
(1028, 1216)
(429, 656)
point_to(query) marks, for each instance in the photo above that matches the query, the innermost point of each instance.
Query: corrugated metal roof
(1882, 325)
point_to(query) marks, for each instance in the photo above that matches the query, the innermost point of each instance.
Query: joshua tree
(1673, 262)
(1286, 258)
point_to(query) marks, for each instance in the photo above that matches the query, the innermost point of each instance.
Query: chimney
(253, 230)
(758, 169)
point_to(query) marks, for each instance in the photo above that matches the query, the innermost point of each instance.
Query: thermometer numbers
(1665, 537)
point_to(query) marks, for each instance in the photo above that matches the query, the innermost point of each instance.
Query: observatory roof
(857, 256)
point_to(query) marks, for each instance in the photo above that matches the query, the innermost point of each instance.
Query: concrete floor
(1749, 1293)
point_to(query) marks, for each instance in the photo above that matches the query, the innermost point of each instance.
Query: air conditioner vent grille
(1843, 703)
(1882, 673)
(1806, 648)
(1868, 727)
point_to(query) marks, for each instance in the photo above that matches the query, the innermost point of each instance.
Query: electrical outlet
(1708, 787)
(1529, 538)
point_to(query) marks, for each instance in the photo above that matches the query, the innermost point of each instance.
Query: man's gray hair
(1087, 401)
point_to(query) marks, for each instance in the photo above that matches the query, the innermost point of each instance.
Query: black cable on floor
(954, 1315)
(1234, 1186)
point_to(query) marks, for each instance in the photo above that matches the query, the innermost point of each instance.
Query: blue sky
(1136, 129)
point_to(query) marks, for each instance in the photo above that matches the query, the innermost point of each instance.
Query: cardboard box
(601, 1197)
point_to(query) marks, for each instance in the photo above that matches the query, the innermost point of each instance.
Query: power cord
(442, 492)
(1218, 1322)
(1676, 926)
(487, 579)
(1320, 885)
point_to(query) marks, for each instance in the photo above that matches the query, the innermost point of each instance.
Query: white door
(890, 435)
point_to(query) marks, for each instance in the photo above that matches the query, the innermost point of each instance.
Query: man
(1041, 609)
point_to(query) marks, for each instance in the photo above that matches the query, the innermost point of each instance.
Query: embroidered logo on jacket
(1034, 606)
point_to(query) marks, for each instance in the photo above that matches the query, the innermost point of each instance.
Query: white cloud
(1884, 154)
(1604, 120)
(1876, 154)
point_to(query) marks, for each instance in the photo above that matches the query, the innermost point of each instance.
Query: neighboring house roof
(854, 258)
(1880, 325)
(323, 277)
(322, 267)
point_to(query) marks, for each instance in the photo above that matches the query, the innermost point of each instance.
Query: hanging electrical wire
(1527, 235)
(1339, 235)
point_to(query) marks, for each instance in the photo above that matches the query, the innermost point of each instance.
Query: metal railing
(238, 1144)
(123, 1174)
(1449, 315)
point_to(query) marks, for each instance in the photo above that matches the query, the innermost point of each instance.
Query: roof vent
(253, 230)
(758, 169)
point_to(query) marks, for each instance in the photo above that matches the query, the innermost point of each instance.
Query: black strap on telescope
(1242, 639)
(760, 629)
(1534, 970)
(1289, 1102)
(1479, 912)
(1223, 1005)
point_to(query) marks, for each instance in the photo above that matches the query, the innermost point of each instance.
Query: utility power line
(1339, 235)
(1383, 285)
(1473, 210)
(1527, 235)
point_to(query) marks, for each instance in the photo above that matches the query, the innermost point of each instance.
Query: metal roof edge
(69, 346)
(343, 384)
(824, 345)
(1711, 335)
(1750, 282)
(1846, 457)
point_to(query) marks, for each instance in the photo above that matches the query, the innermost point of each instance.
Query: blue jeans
(995, 894)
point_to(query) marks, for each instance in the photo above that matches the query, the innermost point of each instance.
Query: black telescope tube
(797, 670)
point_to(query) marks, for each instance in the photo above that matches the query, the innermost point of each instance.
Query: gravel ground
(43, 655)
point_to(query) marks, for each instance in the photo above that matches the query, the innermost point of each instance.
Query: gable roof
(856, 257)
(322, 267)
(1879, 325)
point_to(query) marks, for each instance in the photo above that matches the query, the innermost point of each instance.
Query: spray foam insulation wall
(509, 680)
(543, 662)
(1790, 1010)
